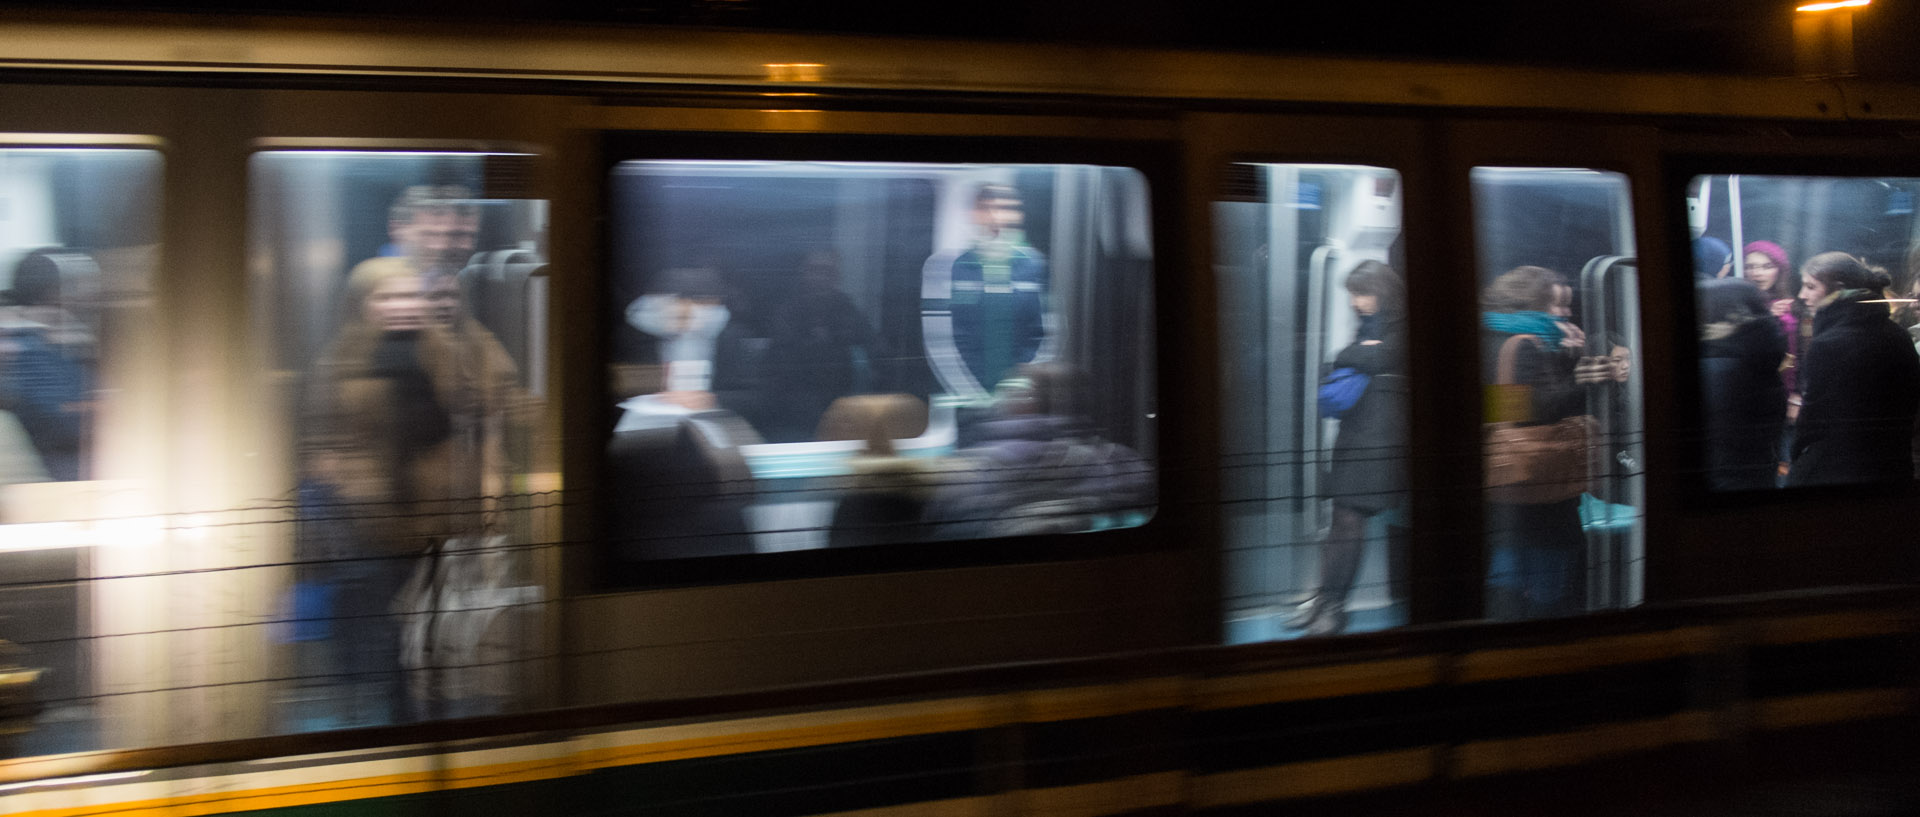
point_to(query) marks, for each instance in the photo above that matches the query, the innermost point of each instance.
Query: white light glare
(1840, 4)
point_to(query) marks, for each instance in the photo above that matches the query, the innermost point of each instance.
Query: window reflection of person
(399, 433)
(819, 348)
(999, 290)
(1368, 471)
(1859, 381)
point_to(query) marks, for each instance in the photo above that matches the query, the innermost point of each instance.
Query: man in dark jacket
(1860, 380)
(999, 291)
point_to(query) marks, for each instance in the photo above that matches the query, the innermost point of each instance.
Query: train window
(837, 354)
(79, 237)
(1562, 440)
(1313, 340)
(403, 301)
(1807, 368)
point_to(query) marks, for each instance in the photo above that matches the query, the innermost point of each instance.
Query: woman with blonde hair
(403, 428)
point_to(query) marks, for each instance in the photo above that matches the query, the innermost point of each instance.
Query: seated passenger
(886, 493)
(1860, 380)
(708, 361)
(1743, 401)
(46, 366)
(819, 346)
(19, 460)
(1035, 469)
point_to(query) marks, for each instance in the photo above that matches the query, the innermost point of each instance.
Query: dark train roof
(1752, 37)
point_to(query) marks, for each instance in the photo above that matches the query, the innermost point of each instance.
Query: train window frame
(1681, 168)
(139, 523)
(1155, 159)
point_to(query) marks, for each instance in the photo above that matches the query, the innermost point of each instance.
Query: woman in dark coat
(1369, 463)
(1537, 552)
(1743, 400)
(1859, 380)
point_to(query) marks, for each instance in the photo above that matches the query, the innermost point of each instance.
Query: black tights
(1340, 554)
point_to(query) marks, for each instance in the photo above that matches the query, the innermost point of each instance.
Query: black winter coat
(1860, 385)
(1743, 403)
(1369, 463)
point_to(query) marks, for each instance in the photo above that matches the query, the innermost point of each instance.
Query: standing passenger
(999, 294)
(1743, 402)
(1369, 454)
(399, 429)
(435, 225)
(1712, 258)
(1537, 558)
(1860, 380)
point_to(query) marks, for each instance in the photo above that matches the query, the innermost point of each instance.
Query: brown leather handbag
(1530, 464)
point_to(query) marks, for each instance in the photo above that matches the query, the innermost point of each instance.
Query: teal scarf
(1546, 326)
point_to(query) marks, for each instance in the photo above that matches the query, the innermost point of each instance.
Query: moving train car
(421, 412)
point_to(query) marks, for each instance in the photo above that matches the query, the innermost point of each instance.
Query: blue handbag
(1340, 390)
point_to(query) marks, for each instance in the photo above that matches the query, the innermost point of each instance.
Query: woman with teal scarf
(1536, 558)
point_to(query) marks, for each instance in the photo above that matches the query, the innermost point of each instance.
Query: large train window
(79, 238)
(1313, 330)
(834, 354)
(402, 301)
(1562, 438)
(1807, 368)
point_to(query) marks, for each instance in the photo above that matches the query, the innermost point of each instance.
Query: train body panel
(1046, 327)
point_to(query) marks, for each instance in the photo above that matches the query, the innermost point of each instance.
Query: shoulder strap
(1503, 373)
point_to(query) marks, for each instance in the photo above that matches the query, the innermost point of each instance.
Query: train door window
(1807, 366)
(1562, 436)
(79, 236)
(402, 298)
(836, 354)
(1313, 332)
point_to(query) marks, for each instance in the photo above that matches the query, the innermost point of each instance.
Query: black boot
(1339, 562)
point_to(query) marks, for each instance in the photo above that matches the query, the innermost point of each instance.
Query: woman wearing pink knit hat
(1766, 264)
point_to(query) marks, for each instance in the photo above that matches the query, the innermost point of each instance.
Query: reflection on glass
(1807, 374)
(1313, 321)
(78, 232)
(1561, 445)
(814, 355)
(404, 289)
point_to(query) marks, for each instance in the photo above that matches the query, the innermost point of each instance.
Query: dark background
(1710, 36)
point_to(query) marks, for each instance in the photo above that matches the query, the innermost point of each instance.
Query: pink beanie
(1773, 251)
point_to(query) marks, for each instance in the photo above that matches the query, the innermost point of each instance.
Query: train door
(1289, 251)
(422, 265)
(1560, 334)
(1311, 278)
